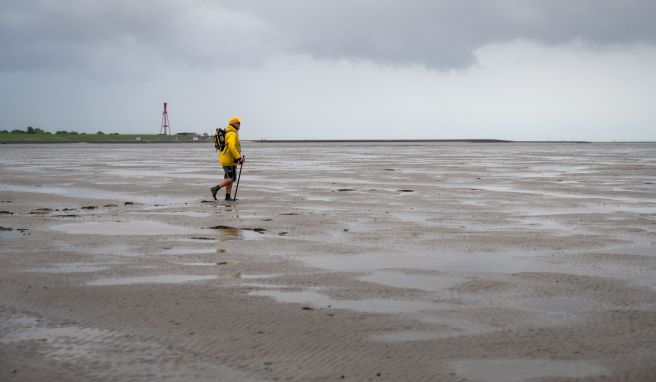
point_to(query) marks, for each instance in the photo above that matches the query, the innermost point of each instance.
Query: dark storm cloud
(137, 34)
(50, 33)
(125, 34)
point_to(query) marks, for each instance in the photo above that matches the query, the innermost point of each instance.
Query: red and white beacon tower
(165, 129)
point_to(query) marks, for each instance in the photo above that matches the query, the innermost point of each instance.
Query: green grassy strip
(13, 137)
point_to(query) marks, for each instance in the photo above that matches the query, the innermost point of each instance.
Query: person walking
(229, 157)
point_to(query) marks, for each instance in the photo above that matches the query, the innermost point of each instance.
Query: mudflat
(340, 261)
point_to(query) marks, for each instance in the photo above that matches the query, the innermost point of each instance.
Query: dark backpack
(219, 139)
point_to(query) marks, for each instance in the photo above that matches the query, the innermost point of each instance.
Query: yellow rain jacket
(232, 150)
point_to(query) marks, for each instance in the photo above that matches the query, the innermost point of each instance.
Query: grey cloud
(444, 33)
(106, 35)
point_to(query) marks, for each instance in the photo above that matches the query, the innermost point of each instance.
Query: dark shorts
(230, 172)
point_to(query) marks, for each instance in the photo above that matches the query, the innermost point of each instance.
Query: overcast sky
(302, 69)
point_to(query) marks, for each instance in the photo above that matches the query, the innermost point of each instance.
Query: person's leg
(231, 176)
(223, 183)
(226, 182)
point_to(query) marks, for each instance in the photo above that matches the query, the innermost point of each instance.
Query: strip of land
(100, 138)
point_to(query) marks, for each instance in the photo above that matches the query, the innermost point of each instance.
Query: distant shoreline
(18, 136)
(378, 140)
(94, 142)
(404, 141)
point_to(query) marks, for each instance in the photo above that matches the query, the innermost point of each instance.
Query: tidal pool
(430, 283)
(69, 268)
(409, 335)
(187, 251)
(318, 300)
(519, 370)
(160, 279)
(93, 193)
(130, 227)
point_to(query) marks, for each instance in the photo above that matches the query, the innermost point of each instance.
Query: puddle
(234, 229)
(228, 233)
(69, 268)
(4, 234)
(545, 193)
(91, 193)
(519, 370)
(193, 214)
(407, 336)
(492, 262)
(260, 286)
(187, 251)
(430, 283)
(240, 276)
(158, 174)
(319, 300)
(537, 222)
(460, 327)
(199, 264)
(559, 305)
(462, 262)
(319, 209)
(257, 277)
(315, 198)
(196, 239)
(161, 279)
(246, 235)
(414, 217)
(134, 227)
(122, 250)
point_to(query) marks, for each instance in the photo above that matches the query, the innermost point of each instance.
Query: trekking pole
(238, 177)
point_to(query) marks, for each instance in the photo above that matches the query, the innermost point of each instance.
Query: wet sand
(381, 262)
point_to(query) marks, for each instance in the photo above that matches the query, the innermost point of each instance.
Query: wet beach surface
(339, 261)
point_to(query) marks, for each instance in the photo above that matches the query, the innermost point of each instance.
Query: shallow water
(130, 227)
(199, 264)
(93, 193)
(187, 251)
(69, 268)
(101, 250)
(519, 370)
(441, 262)
(160, 279)
(560, 304)
(318, 300)
(409, 335)
(13, 234)
(430, 283)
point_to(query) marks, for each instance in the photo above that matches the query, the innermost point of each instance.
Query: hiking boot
(228, 198)
(214, 190)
